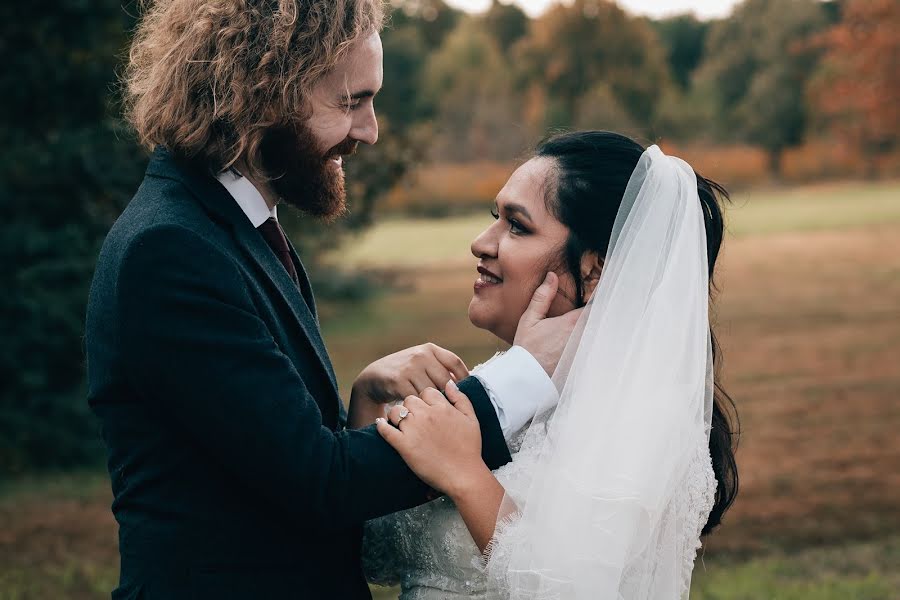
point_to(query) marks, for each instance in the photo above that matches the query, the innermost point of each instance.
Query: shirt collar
(248, 197)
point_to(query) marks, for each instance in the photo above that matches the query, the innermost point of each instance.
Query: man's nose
(365, 127)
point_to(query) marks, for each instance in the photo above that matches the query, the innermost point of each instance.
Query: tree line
(773, 74)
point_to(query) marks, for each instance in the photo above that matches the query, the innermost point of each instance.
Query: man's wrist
(518, 387)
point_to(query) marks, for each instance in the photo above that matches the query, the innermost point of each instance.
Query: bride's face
(516, 252)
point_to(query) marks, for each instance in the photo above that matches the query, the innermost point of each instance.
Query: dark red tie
(274, 236)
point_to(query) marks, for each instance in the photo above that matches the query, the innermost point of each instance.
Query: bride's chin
(477, 315)
(482, 321)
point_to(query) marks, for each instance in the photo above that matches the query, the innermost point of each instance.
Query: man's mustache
(346, 148)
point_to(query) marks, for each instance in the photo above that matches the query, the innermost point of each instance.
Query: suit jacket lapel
(303, 276)
(223, 207)
(257, 249)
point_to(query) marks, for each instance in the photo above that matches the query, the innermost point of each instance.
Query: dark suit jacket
(232, 471)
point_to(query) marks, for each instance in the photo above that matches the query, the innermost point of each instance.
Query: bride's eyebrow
(512, 207)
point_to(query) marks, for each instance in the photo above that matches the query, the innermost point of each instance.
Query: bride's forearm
(478, 501)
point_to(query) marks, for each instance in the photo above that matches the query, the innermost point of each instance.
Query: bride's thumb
(541, 300)
(458, 399)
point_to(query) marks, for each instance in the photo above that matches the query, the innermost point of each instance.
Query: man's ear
(591, 268)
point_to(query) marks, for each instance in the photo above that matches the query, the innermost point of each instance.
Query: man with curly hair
(232, 466)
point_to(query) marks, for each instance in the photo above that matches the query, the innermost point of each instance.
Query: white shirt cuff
(518, 387)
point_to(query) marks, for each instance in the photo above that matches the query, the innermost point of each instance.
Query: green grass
(79, 485)
(415, 242)
(861, 571)
(815, 208)
(78, 578)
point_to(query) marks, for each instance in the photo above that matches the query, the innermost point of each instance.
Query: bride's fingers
(459, 400)
(398, 413)
(415, 404)
(392, 435)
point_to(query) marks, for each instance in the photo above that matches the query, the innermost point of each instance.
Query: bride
(610, 488)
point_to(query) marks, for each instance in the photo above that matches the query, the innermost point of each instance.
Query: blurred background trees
(463, 93)
(757, 66)
(856, 91)
(66, 171)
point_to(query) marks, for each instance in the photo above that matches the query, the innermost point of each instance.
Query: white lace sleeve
(382, 550)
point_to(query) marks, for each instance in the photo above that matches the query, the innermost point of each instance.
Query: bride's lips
(486, 280)
(337, 160)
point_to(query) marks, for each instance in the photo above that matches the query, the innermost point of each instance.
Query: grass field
(809, 319)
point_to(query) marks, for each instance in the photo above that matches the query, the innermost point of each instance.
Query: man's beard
(302, 175)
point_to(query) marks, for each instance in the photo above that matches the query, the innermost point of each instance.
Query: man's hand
(545, 338)
(408, 373)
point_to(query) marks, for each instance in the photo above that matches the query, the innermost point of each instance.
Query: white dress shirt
(515, 382)
(248, 197)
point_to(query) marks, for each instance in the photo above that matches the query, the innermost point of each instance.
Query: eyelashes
(515, 227)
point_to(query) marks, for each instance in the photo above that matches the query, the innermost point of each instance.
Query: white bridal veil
(610, 489)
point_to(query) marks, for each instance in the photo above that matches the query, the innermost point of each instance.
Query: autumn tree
(592, 47)
(857, 88)
(683, 37)
(757, 65)
(507, 23)
(468, 81)
(433, 18)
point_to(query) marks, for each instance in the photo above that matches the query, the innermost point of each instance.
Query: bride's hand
(438, 437)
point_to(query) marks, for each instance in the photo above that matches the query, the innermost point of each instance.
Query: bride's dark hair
(590, 173)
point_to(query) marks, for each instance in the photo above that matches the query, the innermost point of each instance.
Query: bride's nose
(485, 245)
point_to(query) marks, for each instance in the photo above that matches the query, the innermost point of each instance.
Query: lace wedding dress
(428, 551)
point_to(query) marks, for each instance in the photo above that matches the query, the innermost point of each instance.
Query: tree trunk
(775, 156)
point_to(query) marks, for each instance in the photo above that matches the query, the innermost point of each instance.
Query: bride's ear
(591, 268)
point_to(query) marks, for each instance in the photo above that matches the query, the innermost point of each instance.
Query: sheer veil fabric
(610, 490)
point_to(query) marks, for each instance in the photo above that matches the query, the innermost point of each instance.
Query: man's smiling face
(343, 110)
(306, 161)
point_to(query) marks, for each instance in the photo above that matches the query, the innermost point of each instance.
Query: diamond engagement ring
(404, 412)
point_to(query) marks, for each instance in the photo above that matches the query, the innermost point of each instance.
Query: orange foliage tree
(857, 89)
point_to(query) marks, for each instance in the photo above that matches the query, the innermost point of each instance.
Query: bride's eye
(516, 228)
(495, 214)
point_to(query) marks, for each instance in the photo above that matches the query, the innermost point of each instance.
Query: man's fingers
(391, 434)
(452, 363)
(433, 397)
(459, 400)
(438, 376)
(541, 300)
(405, 389)
(573, 315)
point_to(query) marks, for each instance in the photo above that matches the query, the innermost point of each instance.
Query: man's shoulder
(163, 210)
